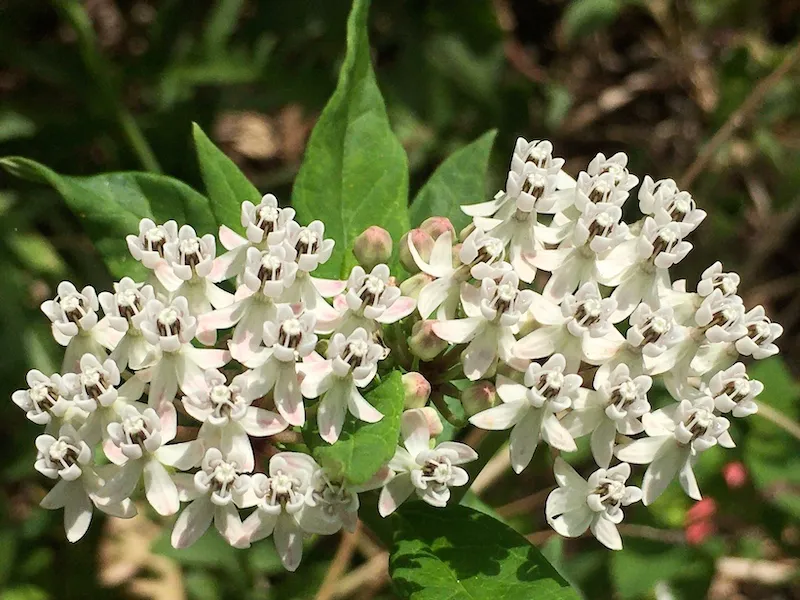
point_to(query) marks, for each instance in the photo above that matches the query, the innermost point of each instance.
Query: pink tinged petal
(260, 422)
(464, 453)
(361, 409)
(395, 493)
(441, 261)
(167, 276)
(229, 238)
(182, 456)
(509, 390)
(602, 442)
(228, 523)
(288, 542)
(164, 384)
(184, 482)
(331, 413)
(524, 439)
(556, 435)
(168, 417)
(77, 512)
(643, 451)
(114, 453)
(665, 466)
(209, 358)
(597, 350)
(329, 287)
(537, 344)
(606, 533)
(458, 331)
(415, 432)
(159, 489)
(401, 308)
(218, 297)
(433, 294)
(192, 522)
(500, 417)
(257, 526)
(689, 482)
(288, 399)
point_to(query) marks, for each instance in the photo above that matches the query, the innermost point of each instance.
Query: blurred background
(704, 91)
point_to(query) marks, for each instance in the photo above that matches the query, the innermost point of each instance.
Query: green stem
(441, 406)
(98, 69)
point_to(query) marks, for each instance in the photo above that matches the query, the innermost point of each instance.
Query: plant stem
(98, 69)
(779, 419)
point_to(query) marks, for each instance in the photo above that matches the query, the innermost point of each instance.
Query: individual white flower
(530, 410)
(721, 317)
(713, 277)
(264, 225)
(149, 246)
(371, 300)
(47, 399)
(69, 459)
(676, 434)
(124, 310)
(170, 328)
(280, 500)
(759, 342)
(665, 202)
(579, 329)
(352, 363)
(734, 392)
(140, 448)
(74, 323)
(312, 250)
(266, 278)
(288, 338)
(229, 418)
(418, 468)
(191, 258)
(577, 504)
(493, 312)
(218, 488)
(602, 188)
(615, 407)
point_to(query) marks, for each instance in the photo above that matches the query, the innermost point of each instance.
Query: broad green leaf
(457, 553)
(226, 185)
(111, 205)
(363, 448)
(355, 172)
(460, 179)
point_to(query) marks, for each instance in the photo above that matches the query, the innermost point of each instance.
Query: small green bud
(424, 343)
(412, 286)
(417, 390)
(478, 396)
(436, 226)
(422, 241)
(373, 247)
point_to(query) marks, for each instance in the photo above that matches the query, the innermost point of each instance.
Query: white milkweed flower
(665, 202)
(228, 417)
(676, 434)
(139, 447)
(218, 488)
(713, 277)
(264, 225)
(352, 363)
(578, 329)
(280, 500)
(69, 459)
(288, 338)
(149, 246)
(47, 399)
(371, 300)
(734, 392)
(759, 341)
(124, 310)
(418, 468)
(577, 504)
(530, 410)
(614, 407)
(720, 324)
(267, 276)
(312, 250)
(493, 312)
(170, 328)
(74, 323)
(602, 188)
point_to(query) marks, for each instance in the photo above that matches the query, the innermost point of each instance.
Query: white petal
(556, 435)
(563, 500)
(572, 523)
(288, 541)
(503, 416)
(159, 489)
(228, 523)
(643, 451)
(415, 432)
(662, 470)
(689, 482)
(432, 295)
(463, 452)
(395, 493)
(538, 343)
(566, 476)
(260, 422)
(361, 409)
(606, 533)
(509, 390)
(458, 331)
(192, 523)
(602, 442)
(332, 411)
(524, 439)
(77, 512)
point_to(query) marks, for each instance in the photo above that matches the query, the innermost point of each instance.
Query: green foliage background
(656, 79)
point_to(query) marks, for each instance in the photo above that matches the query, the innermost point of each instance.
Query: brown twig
(339, 564)
(494, 470)
(373, 573)
(524, 505)
(739, 117)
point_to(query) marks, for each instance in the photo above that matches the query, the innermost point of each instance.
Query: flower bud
(434, 422)
(424, 343)
(735, 474)
(373, 247)
(422, 241)
(456, 255)
(436, 226)
(412, 286)
(417, 390)
(478, 397)
(464, 233)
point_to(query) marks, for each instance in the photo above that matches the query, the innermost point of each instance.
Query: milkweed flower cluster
(548, 302)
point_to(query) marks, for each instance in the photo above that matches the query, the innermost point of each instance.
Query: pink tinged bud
(699, 532)
(412, 286)
(702, 510)
(424, 343)
(735, 474)
(422, 241)
(373, 247)
(434, 422)
(417, 390)
(478, 397)
(464, 233)
(436, 226)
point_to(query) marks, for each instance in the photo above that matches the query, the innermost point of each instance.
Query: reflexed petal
(689, 482)
(538, 343)
(606, 533)
(502, 416)
(288, 541)
(77, 512)
(415, 432)
(509, 390)
(602, 442)
(260, 422)
(331, 412)
(395, 493)
(192, 523)
(361, 409)
(524, 439)
(662, 470)
(458, 331)
(572, 523)
(563, 500)
(228, 523)
(464, 453)
(556, 435)
(432, 295)
(643, 451)
(159, 489)
(566, 476)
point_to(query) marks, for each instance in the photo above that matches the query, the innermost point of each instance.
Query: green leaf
(111, 205)
(460, 179)
(226, 185)
(457, 553)
(355, 171)
(583, 17)
(211, 551)
(363, 448)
